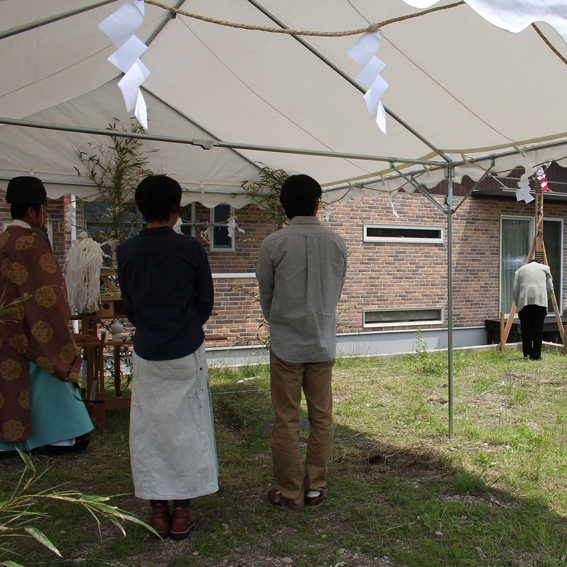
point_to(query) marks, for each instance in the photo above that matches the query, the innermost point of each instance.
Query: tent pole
(415, 184)
(450, 174)
(57, 18)
(205, 144)
(170, 16)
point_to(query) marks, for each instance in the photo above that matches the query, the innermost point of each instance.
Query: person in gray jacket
(532, 286)
(301, 271)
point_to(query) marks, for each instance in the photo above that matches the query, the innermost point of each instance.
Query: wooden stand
(538, 246)
(93, 347)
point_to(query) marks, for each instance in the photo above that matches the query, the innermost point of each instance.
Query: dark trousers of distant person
(531, 321)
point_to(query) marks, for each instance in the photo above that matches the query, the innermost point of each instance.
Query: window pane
(220, 233)
(409, 316)
(516, 242)
(187, 217)
(387, 232)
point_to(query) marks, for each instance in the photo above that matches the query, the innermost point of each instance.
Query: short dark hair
(298, 195)
(20, 210)
(157, 196)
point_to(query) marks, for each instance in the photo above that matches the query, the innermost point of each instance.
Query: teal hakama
(56, 414)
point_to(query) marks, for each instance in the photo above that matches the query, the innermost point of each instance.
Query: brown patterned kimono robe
(36, 329)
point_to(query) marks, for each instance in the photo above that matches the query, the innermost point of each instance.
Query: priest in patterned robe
(39, 362)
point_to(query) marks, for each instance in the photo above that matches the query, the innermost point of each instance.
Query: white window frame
(192, 219)
(214, 248)
(531, 220)
(416, 323)
(401, 239)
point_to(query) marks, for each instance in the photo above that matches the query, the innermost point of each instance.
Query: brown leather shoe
(181, 523)
(160, 521)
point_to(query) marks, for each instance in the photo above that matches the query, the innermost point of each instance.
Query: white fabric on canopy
(471, 89)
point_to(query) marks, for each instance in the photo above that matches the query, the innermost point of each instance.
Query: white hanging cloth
(82, 274)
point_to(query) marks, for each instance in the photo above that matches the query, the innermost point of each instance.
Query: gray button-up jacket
(301, 272)
(533, 285)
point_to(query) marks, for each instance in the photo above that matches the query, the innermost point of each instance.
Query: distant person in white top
(533, 285)
(301, 271)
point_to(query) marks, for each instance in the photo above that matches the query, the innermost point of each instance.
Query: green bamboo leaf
(11, 564)
(135, 520)
(42, 539)
(27, 460)
(93, 498)
(117, 523)
(104, 508)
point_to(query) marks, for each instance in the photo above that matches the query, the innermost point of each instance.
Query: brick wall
(380, 275)
(388, 275)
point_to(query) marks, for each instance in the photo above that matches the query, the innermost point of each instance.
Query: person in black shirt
(167, 290)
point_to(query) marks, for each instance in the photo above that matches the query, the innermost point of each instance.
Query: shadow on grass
(387, 505)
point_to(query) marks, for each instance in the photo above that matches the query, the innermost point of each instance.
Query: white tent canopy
(471, 90)
(464, 96)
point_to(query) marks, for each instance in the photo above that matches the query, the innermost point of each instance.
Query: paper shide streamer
(120, 28)
(363, 53)
(523, 193)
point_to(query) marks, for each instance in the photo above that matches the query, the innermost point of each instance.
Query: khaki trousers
(287, 381)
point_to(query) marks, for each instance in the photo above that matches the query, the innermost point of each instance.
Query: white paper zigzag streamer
(363, 53)
(120, 28)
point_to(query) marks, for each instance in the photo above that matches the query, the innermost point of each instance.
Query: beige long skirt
(172, 436)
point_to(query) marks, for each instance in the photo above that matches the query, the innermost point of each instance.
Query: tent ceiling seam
(548, 43)
(216, 138)
(444, 89)
(170, 16)
(46, 77)
(52, 19)
(321, 56)
(229, 70)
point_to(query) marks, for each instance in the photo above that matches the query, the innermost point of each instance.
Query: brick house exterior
(381, 275)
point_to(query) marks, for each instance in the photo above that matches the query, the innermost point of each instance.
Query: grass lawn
(401, 493)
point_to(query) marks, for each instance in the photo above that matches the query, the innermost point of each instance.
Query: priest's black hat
(26, 190)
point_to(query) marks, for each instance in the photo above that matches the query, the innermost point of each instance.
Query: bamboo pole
(556, 307)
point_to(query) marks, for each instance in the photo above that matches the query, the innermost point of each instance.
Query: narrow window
(396, 233)
(220, 239)
(187, 216)
(397, 317)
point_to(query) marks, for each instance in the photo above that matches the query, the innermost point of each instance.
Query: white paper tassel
(82, 274)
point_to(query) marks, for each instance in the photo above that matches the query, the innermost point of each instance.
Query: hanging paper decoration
(70, 217)
(82, 274)
(232, 226)
(120, 28)
(328, 212)
(523, 193)
(363, 53)
(392, 205)
(541, 176)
